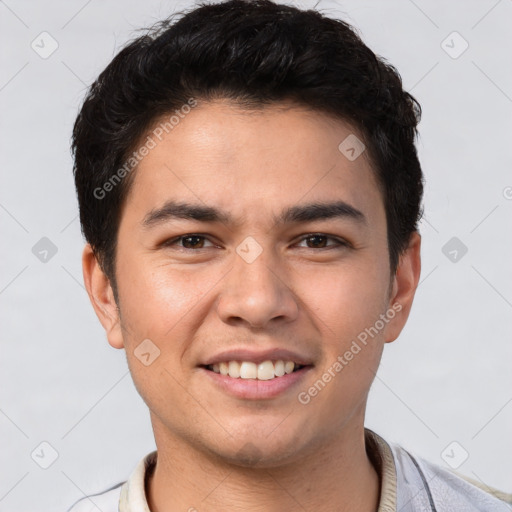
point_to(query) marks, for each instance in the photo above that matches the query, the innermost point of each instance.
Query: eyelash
(340, 243)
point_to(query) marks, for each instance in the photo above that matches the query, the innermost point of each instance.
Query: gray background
(446, 379)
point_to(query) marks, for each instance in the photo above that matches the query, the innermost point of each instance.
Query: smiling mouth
(267, 370)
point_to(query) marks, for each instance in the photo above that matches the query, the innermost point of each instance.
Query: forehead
(248, 162)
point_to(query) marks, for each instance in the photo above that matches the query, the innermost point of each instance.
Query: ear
(101, 296)
(404, 286)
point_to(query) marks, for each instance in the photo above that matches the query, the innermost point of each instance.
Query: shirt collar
(133, 491)
(382, 459)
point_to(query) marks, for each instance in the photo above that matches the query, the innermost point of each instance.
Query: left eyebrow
(291, 215)
(320, 211)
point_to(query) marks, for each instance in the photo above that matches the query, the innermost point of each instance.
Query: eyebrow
(294, 214)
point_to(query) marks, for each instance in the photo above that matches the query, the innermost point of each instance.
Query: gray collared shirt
(407, 484)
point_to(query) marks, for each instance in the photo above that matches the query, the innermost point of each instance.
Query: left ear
(404, 287)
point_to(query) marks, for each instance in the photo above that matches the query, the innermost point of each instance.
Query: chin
(259, 450)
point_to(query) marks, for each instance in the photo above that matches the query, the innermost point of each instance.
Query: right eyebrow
(183, 210)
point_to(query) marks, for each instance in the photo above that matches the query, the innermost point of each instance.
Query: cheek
(157, 298)
(348, 305)
(352, 332)
(346, 300)
(158, 304)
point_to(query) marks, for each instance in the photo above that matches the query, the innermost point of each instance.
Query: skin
(217, 452)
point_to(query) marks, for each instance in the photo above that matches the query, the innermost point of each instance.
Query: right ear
(101, 296)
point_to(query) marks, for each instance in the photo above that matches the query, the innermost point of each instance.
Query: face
(250, 237)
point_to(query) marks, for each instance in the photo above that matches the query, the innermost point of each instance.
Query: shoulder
(422, 484)
(130, 491)
(106, 501)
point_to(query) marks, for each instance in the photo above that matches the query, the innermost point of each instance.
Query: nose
(257, 293)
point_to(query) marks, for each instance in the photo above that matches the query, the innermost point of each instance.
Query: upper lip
(274, 354)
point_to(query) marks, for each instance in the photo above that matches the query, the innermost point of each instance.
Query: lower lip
(254, 389)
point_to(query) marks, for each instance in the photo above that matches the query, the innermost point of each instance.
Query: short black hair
(255, 53)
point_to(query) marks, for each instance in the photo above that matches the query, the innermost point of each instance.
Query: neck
(336, 477)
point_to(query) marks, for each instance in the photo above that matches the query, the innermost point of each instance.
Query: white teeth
(279, 368)
(234, 369)
(223, 367)
(248, 370)
(266, 370)
(288, 367)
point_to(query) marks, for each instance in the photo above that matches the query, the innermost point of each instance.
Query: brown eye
(193, 242)
(189, 241)
(320, 241)
(317, 241)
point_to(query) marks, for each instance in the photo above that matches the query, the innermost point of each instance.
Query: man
(249, 190)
